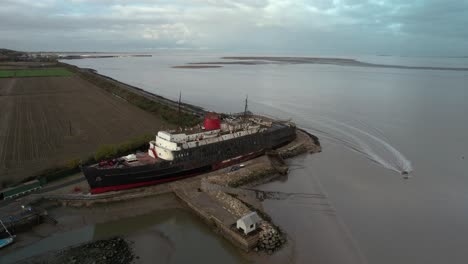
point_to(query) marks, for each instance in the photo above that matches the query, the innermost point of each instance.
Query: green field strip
(34, 73)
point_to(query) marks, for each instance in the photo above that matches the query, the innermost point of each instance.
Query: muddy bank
(196, 66)
(108, 251)
(71, 218)
(258, 60)
(167, 236)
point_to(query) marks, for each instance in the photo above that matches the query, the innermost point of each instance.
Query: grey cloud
(339, 26)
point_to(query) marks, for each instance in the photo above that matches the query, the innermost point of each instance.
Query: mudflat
(47, 121)
(196, 66)
(241, 60)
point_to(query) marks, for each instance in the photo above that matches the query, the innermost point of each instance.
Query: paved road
(58, 186)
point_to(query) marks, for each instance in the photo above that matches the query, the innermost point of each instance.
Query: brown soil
(47, 121)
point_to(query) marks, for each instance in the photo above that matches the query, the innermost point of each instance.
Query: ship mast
(179, 119)
(178, 105)
(246, 105)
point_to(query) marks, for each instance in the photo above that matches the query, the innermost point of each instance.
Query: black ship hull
(189, 162)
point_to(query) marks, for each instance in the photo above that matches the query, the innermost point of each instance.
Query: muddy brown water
(158, 228)
(373, 124)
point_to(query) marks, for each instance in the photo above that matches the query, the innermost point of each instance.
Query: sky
(390, 27)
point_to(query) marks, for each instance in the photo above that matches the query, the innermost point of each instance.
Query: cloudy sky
(397, 27)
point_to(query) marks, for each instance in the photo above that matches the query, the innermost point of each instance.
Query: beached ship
(178, 154)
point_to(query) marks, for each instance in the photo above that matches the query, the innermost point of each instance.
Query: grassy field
(34, 73)
(48, 121)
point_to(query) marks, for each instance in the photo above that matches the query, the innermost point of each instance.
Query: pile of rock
(293, 151)
(233, 205)
(253, 176)
(113, 250)
(254, 170)
(270, 239)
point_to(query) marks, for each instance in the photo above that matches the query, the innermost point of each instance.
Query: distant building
(248, 222)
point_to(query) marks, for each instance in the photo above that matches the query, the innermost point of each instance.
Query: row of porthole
(181, 155)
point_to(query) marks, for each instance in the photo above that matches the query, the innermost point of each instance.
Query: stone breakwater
(227, 189)
(109, 251)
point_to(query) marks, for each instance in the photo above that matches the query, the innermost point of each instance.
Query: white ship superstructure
(168, 143)
(175, 155)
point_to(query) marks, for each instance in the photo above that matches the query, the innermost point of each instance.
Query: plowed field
(46, 121)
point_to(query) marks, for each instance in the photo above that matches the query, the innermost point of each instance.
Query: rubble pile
(270, 239)
(109, 251)
(233, 205)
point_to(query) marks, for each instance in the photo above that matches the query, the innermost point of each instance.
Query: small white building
(248, 222)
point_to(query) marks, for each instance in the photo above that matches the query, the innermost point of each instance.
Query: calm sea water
(373, 124)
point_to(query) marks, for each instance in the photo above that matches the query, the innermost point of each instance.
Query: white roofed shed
(248, 222)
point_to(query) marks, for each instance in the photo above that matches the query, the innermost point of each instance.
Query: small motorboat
(405, 174)
(6, 241)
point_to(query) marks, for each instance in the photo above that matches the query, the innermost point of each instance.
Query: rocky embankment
(109, 251)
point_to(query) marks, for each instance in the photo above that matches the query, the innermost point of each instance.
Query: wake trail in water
(354, 134)
(372, 146)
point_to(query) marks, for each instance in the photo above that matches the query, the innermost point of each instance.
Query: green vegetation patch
(116, 150)
(104, 152)
(34, 73)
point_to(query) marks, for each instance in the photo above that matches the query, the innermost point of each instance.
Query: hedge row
(107, 151)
